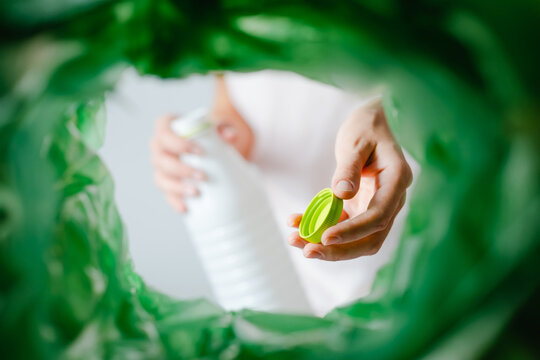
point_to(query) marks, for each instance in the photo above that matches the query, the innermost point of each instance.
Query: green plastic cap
(322, 212)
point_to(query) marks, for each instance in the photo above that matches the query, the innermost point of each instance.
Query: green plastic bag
(462, 93)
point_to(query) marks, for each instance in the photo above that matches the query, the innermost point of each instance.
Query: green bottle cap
(322, 212)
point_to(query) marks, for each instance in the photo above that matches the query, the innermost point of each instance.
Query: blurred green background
(462, 93)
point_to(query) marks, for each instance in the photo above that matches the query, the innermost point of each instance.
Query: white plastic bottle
(233, 229)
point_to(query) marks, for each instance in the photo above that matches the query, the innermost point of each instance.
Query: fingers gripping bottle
(233, 229)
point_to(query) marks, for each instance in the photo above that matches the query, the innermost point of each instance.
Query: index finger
(168, 141)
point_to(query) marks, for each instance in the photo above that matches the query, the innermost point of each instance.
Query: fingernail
(344, 186)
(330, 240)
(196, 150)
(315, 255)
(180, 208)
(198, 175)
(229, 132)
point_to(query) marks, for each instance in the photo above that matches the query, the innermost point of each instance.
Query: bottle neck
(197, 131)
(193, 124)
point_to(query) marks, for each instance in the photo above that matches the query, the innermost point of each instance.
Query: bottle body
(236, 236)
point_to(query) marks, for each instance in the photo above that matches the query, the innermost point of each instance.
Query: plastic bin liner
(462, 93)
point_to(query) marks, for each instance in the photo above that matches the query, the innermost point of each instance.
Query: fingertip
(344, 189)
(292, 237)
(331, 236)
(227, 132)
(195, 149)
(330, 240)
(198, 175)
(179, 206)
(311, 251)
(295, 240)
(191, 190)
(229, 135)
(176, 202)
(294, 220)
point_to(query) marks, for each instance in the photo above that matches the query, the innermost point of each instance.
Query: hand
(371, 176)
(170, 173)
(176, 178)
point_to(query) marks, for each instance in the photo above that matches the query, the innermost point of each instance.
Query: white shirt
(295, 122)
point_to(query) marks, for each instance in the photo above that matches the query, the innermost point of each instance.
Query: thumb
(350, 161)
(227, 132)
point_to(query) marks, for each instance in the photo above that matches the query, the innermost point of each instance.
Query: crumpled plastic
(461, 93)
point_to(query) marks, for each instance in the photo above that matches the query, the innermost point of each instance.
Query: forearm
(230, 124)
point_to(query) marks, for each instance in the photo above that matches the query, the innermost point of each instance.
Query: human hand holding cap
(366, 153)
(170, 174)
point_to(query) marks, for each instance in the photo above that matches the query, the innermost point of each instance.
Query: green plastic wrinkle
(461, 91)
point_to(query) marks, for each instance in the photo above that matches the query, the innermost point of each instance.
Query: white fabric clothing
(295, 122)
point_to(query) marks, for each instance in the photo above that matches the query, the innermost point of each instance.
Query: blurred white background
(159, 244)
